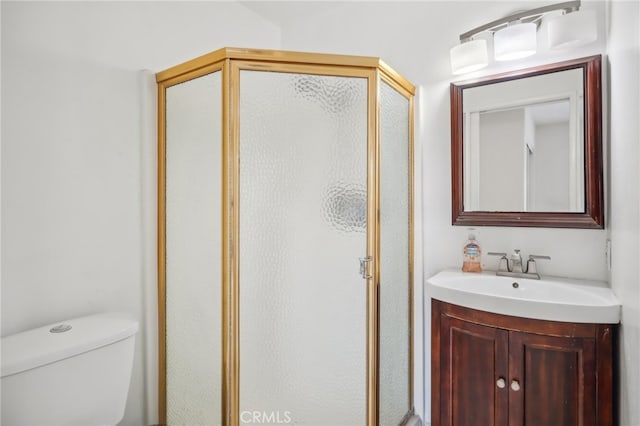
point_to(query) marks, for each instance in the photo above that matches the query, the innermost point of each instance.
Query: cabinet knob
(501, 383)
(515, 385)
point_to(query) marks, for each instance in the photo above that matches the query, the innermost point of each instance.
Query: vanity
(508, 349)
(513, 351)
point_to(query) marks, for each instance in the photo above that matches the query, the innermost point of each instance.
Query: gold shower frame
(230, 61)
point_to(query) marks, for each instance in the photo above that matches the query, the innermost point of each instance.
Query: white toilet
(76, 372)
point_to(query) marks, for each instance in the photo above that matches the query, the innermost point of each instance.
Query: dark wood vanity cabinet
(489, 369)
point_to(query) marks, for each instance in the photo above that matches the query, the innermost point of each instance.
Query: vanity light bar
(515, 35)
(533, 15)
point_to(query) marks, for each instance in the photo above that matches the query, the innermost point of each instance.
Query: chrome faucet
(513, 265)
(516, 262)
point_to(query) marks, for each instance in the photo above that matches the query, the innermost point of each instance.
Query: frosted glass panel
(193, 257)
(394, 261)
(303, 173)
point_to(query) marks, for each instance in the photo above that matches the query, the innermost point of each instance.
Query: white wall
(78, 157)
(623, 26)
(501, 160)
(549, 162)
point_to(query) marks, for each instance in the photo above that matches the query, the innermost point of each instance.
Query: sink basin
(554, 299)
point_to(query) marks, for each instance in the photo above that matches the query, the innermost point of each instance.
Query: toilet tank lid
(54, 342)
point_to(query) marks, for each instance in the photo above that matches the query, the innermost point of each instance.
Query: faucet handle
(539, 256)
(503, 257)
(495, 253)
(531, 263)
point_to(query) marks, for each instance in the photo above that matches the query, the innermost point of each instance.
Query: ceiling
(284, 13)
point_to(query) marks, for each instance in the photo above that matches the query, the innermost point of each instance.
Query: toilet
(75, 372)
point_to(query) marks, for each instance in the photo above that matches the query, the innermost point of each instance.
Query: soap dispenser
(471, 253)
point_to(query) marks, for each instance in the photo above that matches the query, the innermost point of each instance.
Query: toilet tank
(75, 372)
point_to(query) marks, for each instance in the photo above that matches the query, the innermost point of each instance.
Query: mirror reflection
(523, 144)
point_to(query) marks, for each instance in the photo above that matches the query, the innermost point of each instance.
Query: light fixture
(516, 40)
(469, 56)
(515, 36)
(572, 29)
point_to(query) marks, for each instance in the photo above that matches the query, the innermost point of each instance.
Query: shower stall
(285, 240)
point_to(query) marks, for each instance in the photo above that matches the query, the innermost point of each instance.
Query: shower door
(284, 240)
(303, 191)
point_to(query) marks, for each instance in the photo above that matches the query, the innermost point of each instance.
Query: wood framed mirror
(526, 147)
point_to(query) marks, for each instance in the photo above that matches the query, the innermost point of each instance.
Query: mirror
(527, 147)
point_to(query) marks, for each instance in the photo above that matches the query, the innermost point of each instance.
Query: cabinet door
(556, 377)
(473, 374)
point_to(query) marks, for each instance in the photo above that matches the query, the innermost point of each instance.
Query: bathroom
(79, 154)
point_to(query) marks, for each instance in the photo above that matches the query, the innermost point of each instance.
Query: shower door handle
(364, 267)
